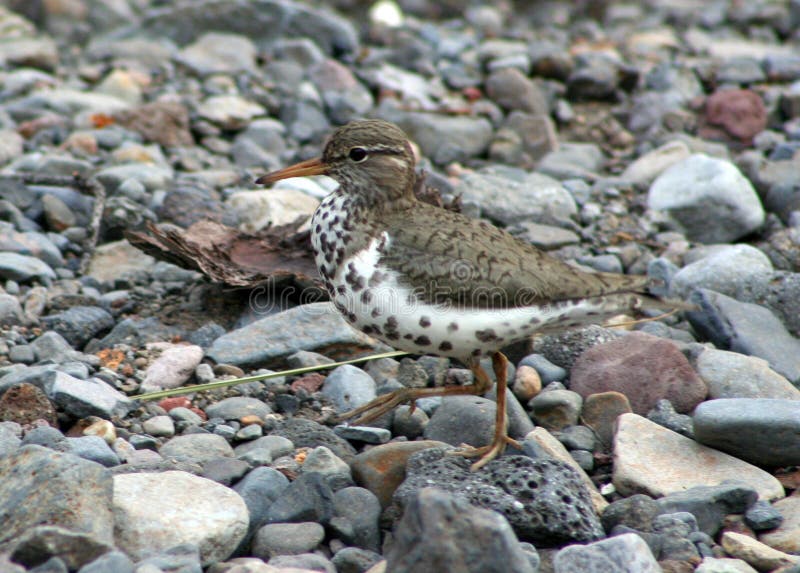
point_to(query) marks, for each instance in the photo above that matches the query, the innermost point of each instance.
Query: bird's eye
(358, 154)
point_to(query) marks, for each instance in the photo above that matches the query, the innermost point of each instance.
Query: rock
(10, 310)
(92, 397)
(237, 407)
(556, 409)
(356, 513)
(723, 565)
(734, 375)
(572, 161)
(521, 489)
(760, 556)
(259, 209)
(259, 489)
(173, 367)
(287, 539)
(511, 196)
(740, 114)
(159, 426)
(59, 489)
(23, 268)
(348, 387)
(624, 364)
(637, 512)
(438, 528)
(308, 498)
(152, 512)
(118, 259)
(113, 561)
(355, 560)
(215, 53)
(365, 434)
(93, 448)
(665, 415)
(230, 112)
(760, 431)
(79, 324)
(762, 516)
(302, 562)
(621, 553)
(746, 328)
(322, 461)
(600, 412)
(305, 433)
(267, 342)
(42, 542)
(512, 90)
(462, 420)
(196, 448)
(646, 168)
(709, 198)
(548, 371)
(383, 468)
(444, 138)
(721, 271)
(656, 461)
(24, 404)
(786, 537)
(709, 504)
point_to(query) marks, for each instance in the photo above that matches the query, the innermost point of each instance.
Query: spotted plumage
(428, 280)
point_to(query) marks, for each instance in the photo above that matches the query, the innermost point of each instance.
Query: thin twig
(85, 185)
(258, 377)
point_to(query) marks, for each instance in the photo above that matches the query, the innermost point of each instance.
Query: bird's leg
(386, 403)
(500, 439)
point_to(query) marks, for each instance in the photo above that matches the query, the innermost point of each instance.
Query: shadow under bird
(430, 281)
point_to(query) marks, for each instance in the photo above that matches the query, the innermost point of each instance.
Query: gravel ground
(659, 138)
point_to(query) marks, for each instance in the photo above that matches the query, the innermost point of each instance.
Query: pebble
(159, 426)
(709, 504)
(785, 536)
(308, 498)
(441, 527)
(641, 448)
(92, 397)
(322, 461)
(79, 324)
(621, 365)
(237, 407)
(348, 387)
(721, 271)
(760, 431)
(172, 368)
(646, 168)
(196, 448)
(93, 448)
(148, 505)
(364, 434)
(556, 409)
(627, 552)
(709, 198)
(23, 268)
(600, 412)
(732, 375)
(760, 556)
(287, 539)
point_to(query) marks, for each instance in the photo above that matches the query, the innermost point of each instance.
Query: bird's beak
(303, 169)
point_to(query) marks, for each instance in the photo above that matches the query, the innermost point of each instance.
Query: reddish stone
(740, 113)
(199, 412)
(175, 402)
(644, 368)
(24, 403)
(309, 383)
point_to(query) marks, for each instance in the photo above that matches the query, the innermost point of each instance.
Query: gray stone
(276, 446)
(79, 324)
(746, 328)
(356, 514)
(512, 196)
(365, 434)
(348, 387)
(159, 426)
(572, 161)
(304, 433)
(734, 375)
(355, 560)
(269, 341)
(93, 448)
(111, 562)
(197, 448)
(59, 489)
(22, 354)
(335, 471)
(761, 431)
(9, 440)
(619, 554)
(23, 268)
(10, 310)
(722, 271)
(308, 498)
(762, 516)
(81, 398)
(47, 437)
(709, 504)
(438, 527)
(548, 371)
(44, 542)
(556, 409)
(237, 407)
(215, 53)
(709, 198)
(52, 346)
(287, 539)
(303, 562)
(545, 501)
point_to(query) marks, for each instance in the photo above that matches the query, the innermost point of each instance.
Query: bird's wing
(449, 258)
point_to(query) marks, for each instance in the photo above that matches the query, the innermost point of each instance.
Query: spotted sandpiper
(431, 281)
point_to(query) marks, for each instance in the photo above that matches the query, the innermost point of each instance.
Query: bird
(427, 280)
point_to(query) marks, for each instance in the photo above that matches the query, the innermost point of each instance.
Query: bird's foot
(387, 402)
(486, 453)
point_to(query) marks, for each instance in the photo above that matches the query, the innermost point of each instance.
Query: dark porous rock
(42, 542)
(636, 512)
(269, 341)
(644, 368)
(618, 554)
(355, 560)
(709, 504)
(358, 509)
(763, 432)
(80, 324)
(59, 489)
(746, 328)
(441, 530)
(305, 433)
(564, 348)
(308, 498)
(545, 501)
(24, 403)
